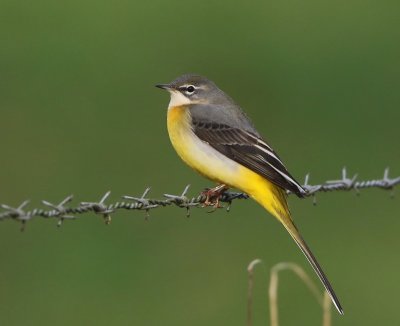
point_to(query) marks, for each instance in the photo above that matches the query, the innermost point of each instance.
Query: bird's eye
(190, 89)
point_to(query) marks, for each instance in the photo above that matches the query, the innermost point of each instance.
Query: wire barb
(63, 211)
(183, 201)
(100, 207)
(18, 213)
(145, 203)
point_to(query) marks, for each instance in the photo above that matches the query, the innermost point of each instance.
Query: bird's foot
(213, 196)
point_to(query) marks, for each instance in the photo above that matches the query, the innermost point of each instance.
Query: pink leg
(213, 195)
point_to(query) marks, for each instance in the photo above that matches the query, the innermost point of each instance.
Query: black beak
(164, 86)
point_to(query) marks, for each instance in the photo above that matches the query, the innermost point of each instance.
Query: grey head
(206, 101)
(196, 89)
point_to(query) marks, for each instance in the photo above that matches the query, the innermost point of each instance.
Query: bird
(213, 135)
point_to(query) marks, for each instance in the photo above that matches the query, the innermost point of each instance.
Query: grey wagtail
(214, 137)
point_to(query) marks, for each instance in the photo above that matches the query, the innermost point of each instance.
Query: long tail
(275, 202)
(291, 228)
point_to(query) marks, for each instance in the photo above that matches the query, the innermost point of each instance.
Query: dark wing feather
(249, 150)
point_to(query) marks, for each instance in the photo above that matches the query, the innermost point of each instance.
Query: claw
(213, 197)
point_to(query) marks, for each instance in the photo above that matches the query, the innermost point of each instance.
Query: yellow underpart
(265, 193)
(199, 155)
(207, 161)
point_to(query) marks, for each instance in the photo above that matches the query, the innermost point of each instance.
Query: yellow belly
(213, 165)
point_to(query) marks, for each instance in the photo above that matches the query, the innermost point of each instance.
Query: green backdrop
(79, 114)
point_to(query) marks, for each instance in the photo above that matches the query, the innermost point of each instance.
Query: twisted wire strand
(63, 212)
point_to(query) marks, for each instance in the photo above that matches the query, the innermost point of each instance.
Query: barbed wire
(63, 212)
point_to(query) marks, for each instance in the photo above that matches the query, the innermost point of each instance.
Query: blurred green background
(79, 114)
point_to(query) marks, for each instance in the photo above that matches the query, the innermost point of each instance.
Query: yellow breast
(178, 123)
(210, 163)
(196, 153)
(182, 137)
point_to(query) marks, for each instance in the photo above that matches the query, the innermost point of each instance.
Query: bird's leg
(213, 195)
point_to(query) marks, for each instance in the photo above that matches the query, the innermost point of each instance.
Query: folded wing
(247, 149)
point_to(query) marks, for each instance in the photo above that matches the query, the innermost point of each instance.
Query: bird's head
(193, 89)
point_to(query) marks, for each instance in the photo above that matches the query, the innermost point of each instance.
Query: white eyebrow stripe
(187, 85)
(184, 86)
(269, 153)
(281, 173)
